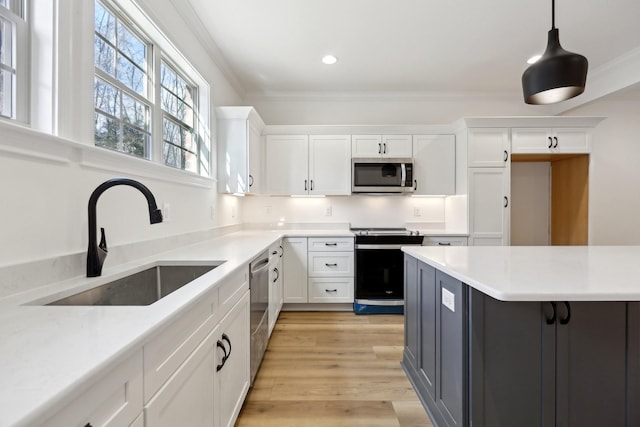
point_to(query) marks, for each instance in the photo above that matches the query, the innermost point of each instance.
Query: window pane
(171, 132)
(107, 131)
(132, 46)
(167, 77)
(134, 141)
(105, 23)
(131, 76)
(4, 3)
(172, 155)
(134, 112)
(6, 93)
(6, 42)
(107, 98)
(190, 162)
(104, 56)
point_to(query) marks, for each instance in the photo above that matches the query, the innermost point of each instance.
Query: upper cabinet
(239, 150)
(434, 165)
(371, 146)
(550, 140)
(488, 147)
(308, 164)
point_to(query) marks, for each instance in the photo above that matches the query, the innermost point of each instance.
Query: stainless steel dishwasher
(259, 321)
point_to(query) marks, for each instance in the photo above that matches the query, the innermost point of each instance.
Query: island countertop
(541, 273)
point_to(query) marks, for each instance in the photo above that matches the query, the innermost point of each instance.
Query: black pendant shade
(558, 74)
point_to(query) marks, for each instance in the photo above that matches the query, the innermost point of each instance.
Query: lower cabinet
(474, 360)
(187, 398)
(232, 378)
(318, 270)
(276, 293)
(112, 401)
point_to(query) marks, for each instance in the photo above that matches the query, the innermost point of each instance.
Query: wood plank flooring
(333, 369)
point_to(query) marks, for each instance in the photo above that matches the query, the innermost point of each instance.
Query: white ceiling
(407, 47)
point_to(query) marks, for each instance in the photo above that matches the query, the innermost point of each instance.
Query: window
(13, 54)
(140, 79)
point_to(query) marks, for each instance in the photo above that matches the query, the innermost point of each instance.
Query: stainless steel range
(379, 268)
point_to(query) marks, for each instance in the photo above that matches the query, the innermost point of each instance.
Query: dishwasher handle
(258, 266)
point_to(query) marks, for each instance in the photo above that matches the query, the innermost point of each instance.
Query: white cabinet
(489, 206)
(308, 165)
(488, 147)
(276, 295)
(112, 401)
(187, 398)
(371, 146)
(294, 264)
(548, 140)
(444, 241)
(434, 165)
(330, 270)
(232, 364)
(239, 150)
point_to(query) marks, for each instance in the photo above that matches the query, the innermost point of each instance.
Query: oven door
(379, 274)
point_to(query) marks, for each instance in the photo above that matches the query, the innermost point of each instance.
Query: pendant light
(558, 75)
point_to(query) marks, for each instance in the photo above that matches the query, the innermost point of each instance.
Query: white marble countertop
(541, 273)
(48, 352)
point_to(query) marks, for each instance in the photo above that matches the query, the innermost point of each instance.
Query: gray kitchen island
(524, 336)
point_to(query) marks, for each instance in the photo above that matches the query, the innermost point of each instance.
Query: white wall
(44, 201)
(614, 172)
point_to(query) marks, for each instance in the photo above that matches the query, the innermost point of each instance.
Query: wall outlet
(328, 211)
(449, 299)
(416, 211)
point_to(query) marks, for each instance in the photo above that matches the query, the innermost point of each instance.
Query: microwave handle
(403, 174)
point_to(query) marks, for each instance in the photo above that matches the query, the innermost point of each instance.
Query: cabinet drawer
(330, 290)
(444, 241)
(326, 244)
(114, 400)
(173, 344)
(330, 264)
(232, 290)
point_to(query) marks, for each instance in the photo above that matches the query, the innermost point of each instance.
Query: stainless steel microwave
(382, 175)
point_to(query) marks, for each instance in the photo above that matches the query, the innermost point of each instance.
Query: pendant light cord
(553, 14)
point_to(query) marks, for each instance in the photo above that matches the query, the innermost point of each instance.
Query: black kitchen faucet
(97, 253)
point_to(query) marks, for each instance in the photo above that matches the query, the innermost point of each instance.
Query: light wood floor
(333, 369)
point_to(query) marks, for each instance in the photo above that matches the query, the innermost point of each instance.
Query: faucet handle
(103, 240)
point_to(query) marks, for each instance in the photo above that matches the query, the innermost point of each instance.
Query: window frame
(17, 15)
(162, 49)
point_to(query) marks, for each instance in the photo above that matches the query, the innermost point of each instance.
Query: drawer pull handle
(330, 265)
(444, 243)
(226, 338)
(331, 290)
(275, 270)
(550, 142)
(555, 140)
(224, 358)
(331, 244)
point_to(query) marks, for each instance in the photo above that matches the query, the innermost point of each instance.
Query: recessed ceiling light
(329, 60)
(533, 59)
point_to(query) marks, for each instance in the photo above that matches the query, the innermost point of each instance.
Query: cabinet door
(330, 164)
(187, 398)
(287, 169)
(232, 376)
(451, 360)
(488, 206)
(592, 364)
(255, 158)
(572, 140)
(363, 146)
(427, 320)
(411, 311)
(511, 362)
(488, 147)
(294, 264)
(531, 140)
(397, 146)
(434, 164)
(275, 294)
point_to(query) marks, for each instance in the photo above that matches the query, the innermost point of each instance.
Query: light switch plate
(449, 299)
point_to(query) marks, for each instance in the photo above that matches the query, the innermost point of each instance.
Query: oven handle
(385, 247)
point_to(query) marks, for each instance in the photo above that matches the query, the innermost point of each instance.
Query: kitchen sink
(141, 288)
